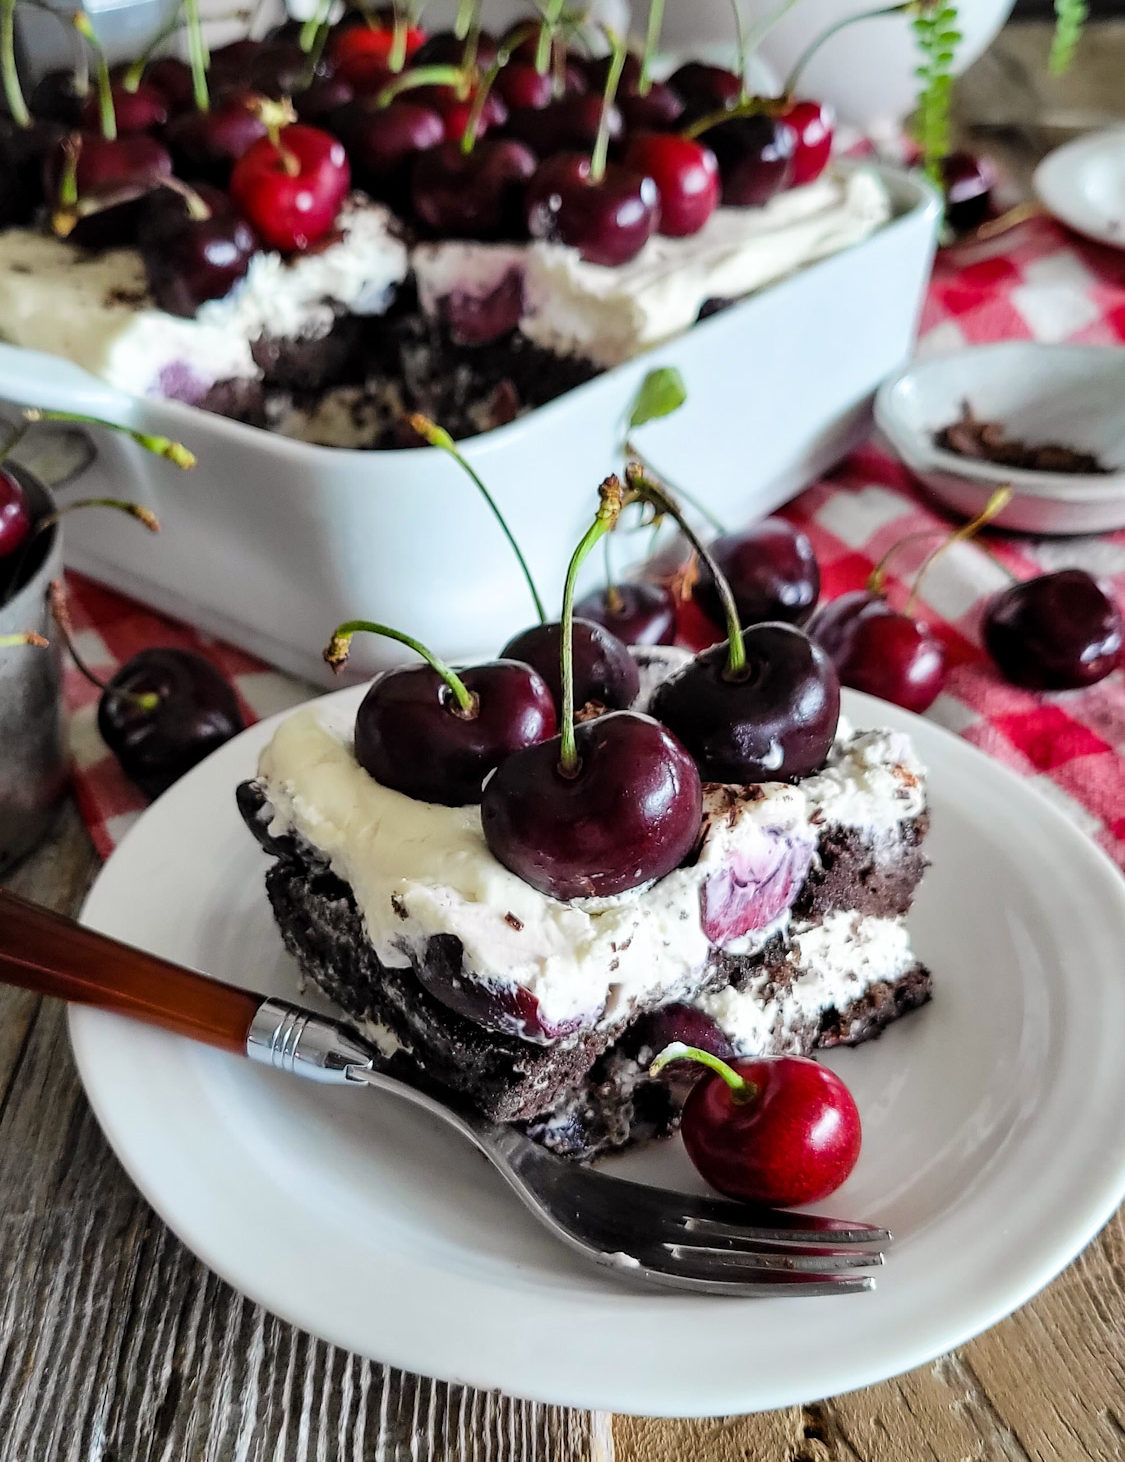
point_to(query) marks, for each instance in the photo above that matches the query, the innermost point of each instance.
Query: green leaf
(661, 392)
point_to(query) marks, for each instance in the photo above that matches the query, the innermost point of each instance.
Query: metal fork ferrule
(291, 1039)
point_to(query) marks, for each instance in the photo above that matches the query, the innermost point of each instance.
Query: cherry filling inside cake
(782, 931)
(467, 242)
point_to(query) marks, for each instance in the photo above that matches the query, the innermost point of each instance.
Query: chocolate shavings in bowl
(987, 441)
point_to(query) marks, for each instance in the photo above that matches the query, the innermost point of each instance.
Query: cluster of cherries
(164, 709)
(468, 136)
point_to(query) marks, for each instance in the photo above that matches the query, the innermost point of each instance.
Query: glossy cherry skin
(705, 89)
(15, 515)
(411, 735)
(772, 572)
(630, 813)
(567, 125)
(126, 169)
(755, 156)
(382, 144)
(605, 674)
(443, 48)
(455, 112)
(322, 98)
(658, 110)
(967, 182)
(686, 177)
(473, 195)
(637, 614)
(608, 221)
(206, 145)
(521, 85)
(197, 710)
(172, 78)
(796, 1139)
(813, 124)
(1059, 631)
(773, 725)
(878, 650)
(190, 260)
(355, 47)
(291, 210)
(141, 110)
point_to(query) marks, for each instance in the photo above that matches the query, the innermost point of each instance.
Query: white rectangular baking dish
(269, 543)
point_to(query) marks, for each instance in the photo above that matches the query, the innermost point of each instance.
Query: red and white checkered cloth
(1046, 285)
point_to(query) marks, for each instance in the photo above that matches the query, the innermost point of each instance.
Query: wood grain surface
(117, 1345)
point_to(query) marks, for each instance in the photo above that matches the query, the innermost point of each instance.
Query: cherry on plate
(772, 572)
(637, 614)
(878, 650)
(605, 674)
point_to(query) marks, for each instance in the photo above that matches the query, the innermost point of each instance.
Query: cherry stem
(600, 154)
(877, 578)
(999, 499)
(681, 492)
(26, 637)
(758, 35)
(396, 57)
(315, 24)
(49, 520)
(105, 93)
(60, 612)
(740, 35)
(646, 489)
(462, 22)
(134, 75)
(171, 451)
(742, 1090)
(652, 40)
(747, 107)
(476, 111)
(197, 207)
(423, 76)
(339, 648)
(436, 436)
(613, 600)
(17, 434)
(12, 93)
(811, 49)
(275, 116)
(609, 510)
(552, 14)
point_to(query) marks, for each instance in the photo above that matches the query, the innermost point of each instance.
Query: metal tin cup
(33, 759)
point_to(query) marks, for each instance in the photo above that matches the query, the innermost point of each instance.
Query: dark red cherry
(473, 195)
(705, 89)
(772, 571)
(23, 155)
(455, 112)
(596, 69)
(967, 182)
(812, 124)
(171, 77)
(195, 250)
(1059, 631)
(774, 723)
(324, 97)
(658, 110)
(291, 190)
(195, 711)
(608, 220)
(636, 614)
(878, 650)
(567, 125)
(605, 674)
(443, 48)
(140, 110)
(521, 85)
(55, 98)
(15, 514)
(790, 1134)
(411, 735)
(686, 177)
(280, 69)
(231, 64)
(630, 813)
(117, 173)
(382, 144)
(206, 145)
(755, 156)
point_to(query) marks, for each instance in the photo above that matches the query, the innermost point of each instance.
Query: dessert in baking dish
(467, 235)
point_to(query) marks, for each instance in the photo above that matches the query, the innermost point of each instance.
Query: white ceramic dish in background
(270, 542)
(991, 1130)
(1072, 394)
(1083, 184)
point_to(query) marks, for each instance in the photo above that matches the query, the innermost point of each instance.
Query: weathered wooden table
(117, 1345)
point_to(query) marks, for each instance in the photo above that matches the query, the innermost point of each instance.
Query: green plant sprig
(936, 37)
(1070, 19)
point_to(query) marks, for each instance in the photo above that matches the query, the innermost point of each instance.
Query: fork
(707, 1245)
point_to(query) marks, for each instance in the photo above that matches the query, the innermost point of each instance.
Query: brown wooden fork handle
(43, 952)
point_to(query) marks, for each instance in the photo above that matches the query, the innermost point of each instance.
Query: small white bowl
(1072, 394)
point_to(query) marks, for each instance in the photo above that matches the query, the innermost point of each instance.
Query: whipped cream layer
(834, 963)
(96, 309)
(607, 315)
(418, 870)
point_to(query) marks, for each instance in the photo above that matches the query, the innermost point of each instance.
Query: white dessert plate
(1069, 394)
(1083, 184)
(992, 1131)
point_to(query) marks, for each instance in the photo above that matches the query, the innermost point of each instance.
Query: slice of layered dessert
(782, 930)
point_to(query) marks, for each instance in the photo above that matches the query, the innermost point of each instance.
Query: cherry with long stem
(552, 15)
(436, 436)
(171, 451)
(453, 76)
(60, 613)
(101, 70)
(742, 1091)
(338, 649)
